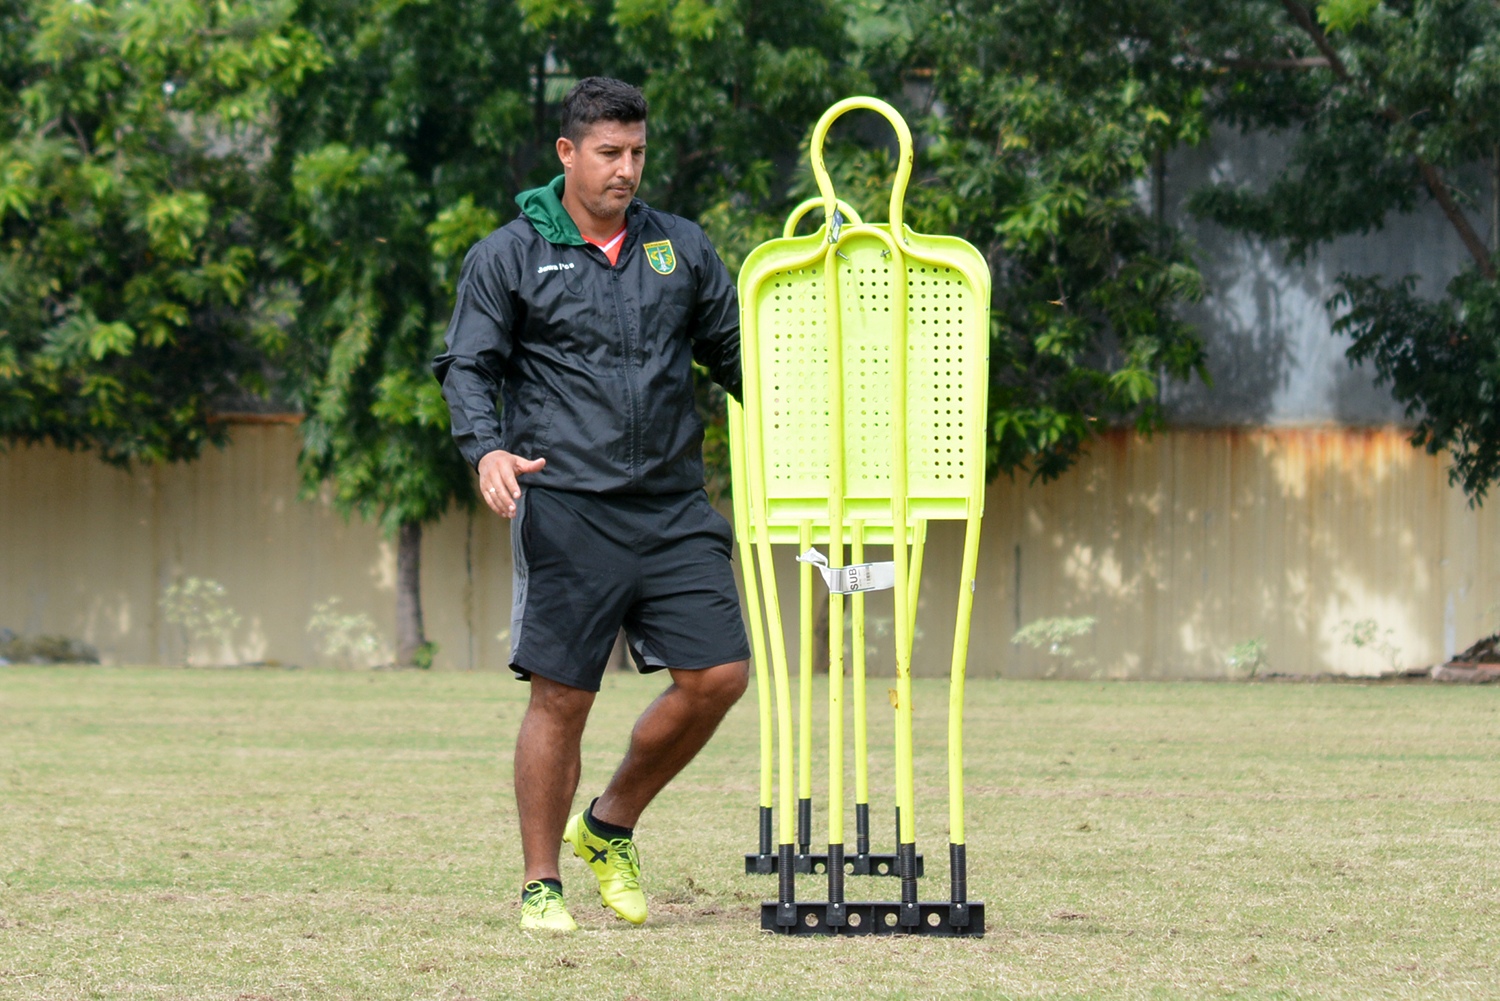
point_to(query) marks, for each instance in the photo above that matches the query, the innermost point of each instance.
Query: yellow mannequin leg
(757, 632)
(861, 746)
(804, 692)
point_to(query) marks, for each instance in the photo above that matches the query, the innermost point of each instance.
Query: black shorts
(587, 564)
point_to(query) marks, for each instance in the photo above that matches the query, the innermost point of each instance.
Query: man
(584, 316)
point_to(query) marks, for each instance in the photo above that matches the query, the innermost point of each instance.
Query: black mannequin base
(933, 918)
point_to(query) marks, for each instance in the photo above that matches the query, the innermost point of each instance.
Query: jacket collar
(543, 208)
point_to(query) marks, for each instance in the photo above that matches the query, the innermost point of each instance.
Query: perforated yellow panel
(946, 350)
(794, 380)
(939, 354)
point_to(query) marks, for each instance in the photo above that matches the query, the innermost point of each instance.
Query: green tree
(409, 146)
(131, 292)
(1388, 102)
(393, 159)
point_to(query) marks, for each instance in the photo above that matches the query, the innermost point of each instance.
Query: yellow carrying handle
(903, 166)
(790, 228)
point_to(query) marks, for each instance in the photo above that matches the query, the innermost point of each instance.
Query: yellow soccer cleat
(542, 909)
(616, 864)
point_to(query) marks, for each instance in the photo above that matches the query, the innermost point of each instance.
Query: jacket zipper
(621, 317)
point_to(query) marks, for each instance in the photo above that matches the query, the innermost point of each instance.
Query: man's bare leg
(548, 761)
(671, 731)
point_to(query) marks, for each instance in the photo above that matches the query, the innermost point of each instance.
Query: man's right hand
(497, 479)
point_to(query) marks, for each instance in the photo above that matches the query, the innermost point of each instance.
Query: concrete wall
(1194, 541)
(1181, 545)
(86, 551)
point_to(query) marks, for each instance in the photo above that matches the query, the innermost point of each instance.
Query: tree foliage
(409, 147)
(378, 158)
(132, 294)
(1442, 362)
(365, 146)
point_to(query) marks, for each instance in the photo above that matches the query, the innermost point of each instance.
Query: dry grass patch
(321, 835)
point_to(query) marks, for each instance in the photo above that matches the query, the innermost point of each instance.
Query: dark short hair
(600, 99)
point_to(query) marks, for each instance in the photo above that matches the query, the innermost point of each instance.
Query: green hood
(544, 207)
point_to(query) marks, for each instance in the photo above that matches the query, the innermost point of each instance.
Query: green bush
(1249, 656)
(44, 650)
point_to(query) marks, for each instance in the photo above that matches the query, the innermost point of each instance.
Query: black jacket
(592, 363)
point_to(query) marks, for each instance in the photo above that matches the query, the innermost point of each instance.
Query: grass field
(248, 835)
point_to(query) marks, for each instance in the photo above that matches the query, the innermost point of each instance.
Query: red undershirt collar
(611, 247)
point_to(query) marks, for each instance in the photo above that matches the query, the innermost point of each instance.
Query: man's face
(604, 167)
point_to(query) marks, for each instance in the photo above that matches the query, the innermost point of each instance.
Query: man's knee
(559, 701)
(720, 686)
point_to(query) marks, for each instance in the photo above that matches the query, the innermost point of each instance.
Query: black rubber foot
(869, 864)
(876, 918)
(759, 865)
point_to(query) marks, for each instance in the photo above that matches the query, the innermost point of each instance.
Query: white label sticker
(853, 579)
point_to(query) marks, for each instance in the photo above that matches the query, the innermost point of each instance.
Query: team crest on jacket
(663, 261)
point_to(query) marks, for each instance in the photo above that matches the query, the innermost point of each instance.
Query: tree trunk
(411, 639)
